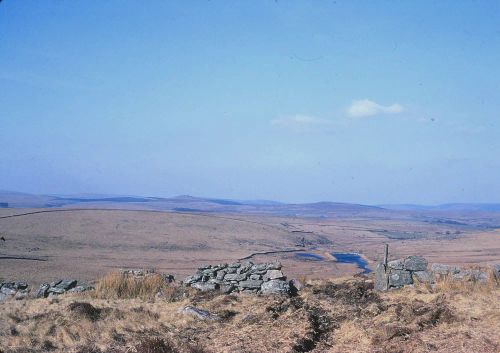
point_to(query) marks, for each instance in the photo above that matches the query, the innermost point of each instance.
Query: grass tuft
(85, 310)
(116, 285)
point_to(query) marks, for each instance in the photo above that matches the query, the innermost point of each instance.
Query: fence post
(386, 267)
(386, 256)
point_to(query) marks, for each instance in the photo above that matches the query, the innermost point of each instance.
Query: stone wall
(399, 273)
(17, 290)
(62, 286)
(407, 271)
(21, 290)
(244, 277)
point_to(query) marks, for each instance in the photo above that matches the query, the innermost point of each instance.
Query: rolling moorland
(48, 237)
(91, 237)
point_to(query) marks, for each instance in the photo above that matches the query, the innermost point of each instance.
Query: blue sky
(356, 101)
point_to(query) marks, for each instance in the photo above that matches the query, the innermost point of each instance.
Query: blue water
(309, 256)
(351, 258)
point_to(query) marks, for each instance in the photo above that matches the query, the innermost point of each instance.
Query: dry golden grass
(345, 315)
(117, 285)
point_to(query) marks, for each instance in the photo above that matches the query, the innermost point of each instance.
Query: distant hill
(465, 207)
(192, 204)
(185, 203)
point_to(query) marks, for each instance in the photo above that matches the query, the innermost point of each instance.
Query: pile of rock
(245, 277)
(62, 286)
(401, 272)
(17, 290)
(439, 271)
(406, 271)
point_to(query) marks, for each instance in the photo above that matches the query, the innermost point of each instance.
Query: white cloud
(302, 123)
(365, 107)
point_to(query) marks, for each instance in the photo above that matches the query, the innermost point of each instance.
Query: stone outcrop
(244, 277)
(16, 290)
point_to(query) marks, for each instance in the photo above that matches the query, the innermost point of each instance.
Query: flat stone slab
(235, 277)
(381, 281)
(275, 286)
(273, 274)
(415, 263)
(400, 278)
(251, 284)
(396, 264)
(205, 286)
(198, 313)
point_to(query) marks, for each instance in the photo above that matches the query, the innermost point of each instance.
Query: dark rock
(399, 278)
(168, 277)
(209, 272)
(227, 288)
(191, 279)
(67, 284)
(235, 277)
(8, 290)
(415, 263)
(55, 283)
(245, 267)
(252, 284)
(261, 273)
(8, 285)
(295, 286)
(42, 291)
(294, 282)
(80, 289)
(275, 286)
(15, 285)
(220, 275)
(56, 290)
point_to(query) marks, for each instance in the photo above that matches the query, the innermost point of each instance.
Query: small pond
(340, 257)
(352, 258)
